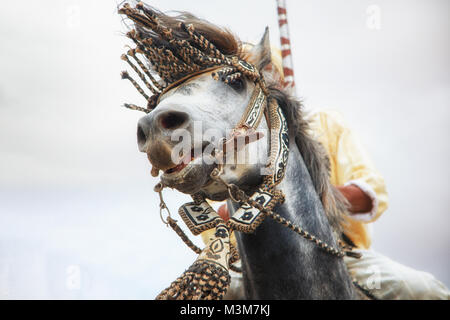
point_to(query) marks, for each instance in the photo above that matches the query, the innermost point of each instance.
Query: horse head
(181, 135)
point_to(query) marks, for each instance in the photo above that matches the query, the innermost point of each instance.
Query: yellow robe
(350, 164)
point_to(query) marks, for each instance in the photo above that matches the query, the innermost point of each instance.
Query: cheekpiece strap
(279, 141)
(255, 109)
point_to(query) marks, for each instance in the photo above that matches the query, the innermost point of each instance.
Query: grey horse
(277, 263)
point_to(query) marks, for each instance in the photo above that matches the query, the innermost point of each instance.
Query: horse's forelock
(222, 38)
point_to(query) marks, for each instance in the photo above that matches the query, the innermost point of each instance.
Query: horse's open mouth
(185, 161)
(178, 167)
(192, 172)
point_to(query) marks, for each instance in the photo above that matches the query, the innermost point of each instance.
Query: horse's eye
(237, 85)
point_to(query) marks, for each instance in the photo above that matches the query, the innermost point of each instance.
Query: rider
(356, 178)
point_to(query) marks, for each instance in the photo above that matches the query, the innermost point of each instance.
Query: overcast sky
(78, 217)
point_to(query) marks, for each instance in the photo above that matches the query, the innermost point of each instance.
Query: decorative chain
(234, 253)
(239, 196)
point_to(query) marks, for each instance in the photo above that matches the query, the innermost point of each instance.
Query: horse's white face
(180, 134)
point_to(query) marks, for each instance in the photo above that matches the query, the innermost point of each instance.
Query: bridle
(208, 277)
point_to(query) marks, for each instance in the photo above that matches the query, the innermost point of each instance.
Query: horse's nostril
(141, 136)
(173, 119)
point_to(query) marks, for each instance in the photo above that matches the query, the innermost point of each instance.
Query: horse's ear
(260, 55)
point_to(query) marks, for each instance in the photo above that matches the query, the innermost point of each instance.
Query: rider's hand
(359, 201)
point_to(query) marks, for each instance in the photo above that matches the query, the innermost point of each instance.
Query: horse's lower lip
(192, 177)
(178, 167)
(185, 161)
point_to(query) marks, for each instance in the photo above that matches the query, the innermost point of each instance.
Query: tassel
(208, 277)
(135, 107)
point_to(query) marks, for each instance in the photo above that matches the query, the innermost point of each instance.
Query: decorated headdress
(174, 53)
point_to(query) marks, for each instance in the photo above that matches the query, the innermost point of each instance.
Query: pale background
(78, 217)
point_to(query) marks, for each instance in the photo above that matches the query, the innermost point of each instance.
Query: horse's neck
(278, 263)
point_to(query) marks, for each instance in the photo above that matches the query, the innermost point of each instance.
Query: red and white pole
(288, 66)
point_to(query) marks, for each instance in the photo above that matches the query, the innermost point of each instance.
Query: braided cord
(175, 227)
(306, 235)
(303, 233)
(234, 253)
